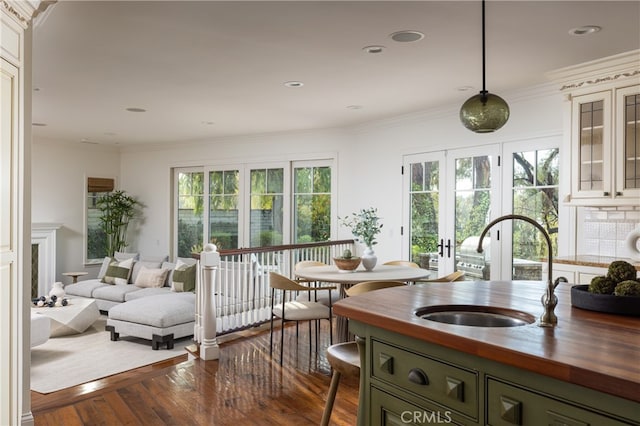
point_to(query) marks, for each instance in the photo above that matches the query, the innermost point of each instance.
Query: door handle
(441, 248)
(448, 248)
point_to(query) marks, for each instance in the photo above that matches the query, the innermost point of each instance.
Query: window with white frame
(253, 205)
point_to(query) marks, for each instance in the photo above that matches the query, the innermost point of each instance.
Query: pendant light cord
(484, 90)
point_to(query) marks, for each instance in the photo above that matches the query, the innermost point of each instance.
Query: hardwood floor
(244, 387)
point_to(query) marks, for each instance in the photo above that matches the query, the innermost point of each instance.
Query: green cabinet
(406, 381)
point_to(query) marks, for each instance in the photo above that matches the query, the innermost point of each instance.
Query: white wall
(59, 172)
(369, 161)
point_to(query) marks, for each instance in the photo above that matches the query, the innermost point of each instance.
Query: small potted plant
(347, 262)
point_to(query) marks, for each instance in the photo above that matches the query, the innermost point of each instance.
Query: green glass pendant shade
(484, 113)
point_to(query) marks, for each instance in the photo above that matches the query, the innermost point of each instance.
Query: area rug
(68, 361)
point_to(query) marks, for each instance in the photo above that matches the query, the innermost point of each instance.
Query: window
(253, 205)
(224, 219)
(535, 195)
(96, 240)
(190, 208)
(266, 218)
(311, 204)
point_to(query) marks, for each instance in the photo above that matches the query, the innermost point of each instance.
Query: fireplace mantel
(44, 235)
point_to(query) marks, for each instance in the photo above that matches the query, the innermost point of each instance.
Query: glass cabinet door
(628, 140)
(591, 145)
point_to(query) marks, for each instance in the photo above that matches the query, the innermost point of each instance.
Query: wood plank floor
(244, 387)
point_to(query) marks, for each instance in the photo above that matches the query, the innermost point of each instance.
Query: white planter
(369, 259)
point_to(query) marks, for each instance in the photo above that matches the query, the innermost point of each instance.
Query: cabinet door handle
(441, 248)
(606, 193)
(418, 377)
(618, 194)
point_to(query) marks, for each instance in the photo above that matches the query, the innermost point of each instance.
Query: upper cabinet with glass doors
(603, 130)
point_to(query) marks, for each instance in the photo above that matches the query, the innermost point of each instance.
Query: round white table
(332, 274)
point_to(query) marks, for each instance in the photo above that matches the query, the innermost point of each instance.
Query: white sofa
(159, 314)
(110, 295)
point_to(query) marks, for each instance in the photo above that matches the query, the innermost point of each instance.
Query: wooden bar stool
(344, 358)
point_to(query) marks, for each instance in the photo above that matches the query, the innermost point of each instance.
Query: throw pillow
(103, 268)
(148, 277)
(118, 272)
(184, 277)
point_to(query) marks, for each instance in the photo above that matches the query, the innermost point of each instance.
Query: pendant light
(484, 112)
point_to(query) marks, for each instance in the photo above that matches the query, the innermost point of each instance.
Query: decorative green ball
(628, 288)
(602, 285)
(620, 270)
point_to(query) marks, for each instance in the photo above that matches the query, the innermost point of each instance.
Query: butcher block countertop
(590, 349)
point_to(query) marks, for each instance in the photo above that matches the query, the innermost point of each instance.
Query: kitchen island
(586, 370)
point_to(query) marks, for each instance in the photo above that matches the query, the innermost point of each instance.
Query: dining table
(346, 279)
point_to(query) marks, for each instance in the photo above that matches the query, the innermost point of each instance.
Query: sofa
(109, 293)
(144, 297)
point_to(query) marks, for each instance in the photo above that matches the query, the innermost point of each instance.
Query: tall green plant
(116, 211)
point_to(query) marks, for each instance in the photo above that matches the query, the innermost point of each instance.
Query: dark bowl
(620, 305)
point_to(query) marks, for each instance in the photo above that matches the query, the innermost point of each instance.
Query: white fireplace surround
(44, 235)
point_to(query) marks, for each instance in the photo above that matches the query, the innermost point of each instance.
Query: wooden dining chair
(454, 276)
(402, 263)
(344, 358)
(295, 310)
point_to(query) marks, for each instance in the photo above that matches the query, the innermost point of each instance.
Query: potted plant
(116, 211)
(365, 226)
(347, 262)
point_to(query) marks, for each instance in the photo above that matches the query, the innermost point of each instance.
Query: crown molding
(605, 70)
(23, 11)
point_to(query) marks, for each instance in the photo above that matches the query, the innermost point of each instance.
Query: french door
(452, 195)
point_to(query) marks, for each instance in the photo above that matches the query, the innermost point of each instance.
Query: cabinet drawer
(389, 410)
(514, 405)
(448, 385)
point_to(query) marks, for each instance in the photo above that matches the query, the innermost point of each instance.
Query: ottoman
(160, 318)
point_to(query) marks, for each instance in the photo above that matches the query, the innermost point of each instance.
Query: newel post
(205, 321)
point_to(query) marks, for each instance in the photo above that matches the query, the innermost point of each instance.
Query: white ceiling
(211, 69)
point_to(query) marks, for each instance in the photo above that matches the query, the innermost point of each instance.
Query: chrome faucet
(549, 299)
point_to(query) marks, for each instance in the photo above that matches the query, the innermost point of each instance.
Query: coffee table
(74, 318)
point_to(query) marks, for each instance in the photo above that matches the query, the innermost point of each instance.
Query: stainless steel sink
(475, 315)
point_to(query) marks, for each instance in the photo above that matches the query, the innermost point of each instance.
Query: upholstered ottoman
(160, 318)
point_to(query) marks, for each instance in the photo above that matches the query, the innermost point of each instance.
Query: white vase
(57, 290)
(369, 259)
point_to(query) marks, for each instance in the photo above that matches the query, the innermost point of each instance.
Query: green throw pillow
(118, 272)
(184, 278)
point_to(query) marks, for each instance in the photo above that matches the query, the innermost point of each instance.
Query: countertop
(591, 260)
(591, 349)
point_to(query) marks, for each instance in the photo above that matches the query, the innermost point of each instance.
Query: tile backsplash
(602, 231)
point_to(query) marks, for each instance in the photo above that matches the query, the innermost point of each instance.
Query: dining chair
(322, 297)
(344, 358)
(402, 263)
(294, 310)
(454, 276)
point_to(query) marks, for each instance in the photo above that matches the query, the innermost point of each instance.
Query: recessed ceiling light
(85, 140)
(294, 84)
(134, 109)
(36, 89)
(208, 123)
(464, 88)
(354, 107)
(373, 49)
(406, 36)
(39, 124)
(584, 30)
